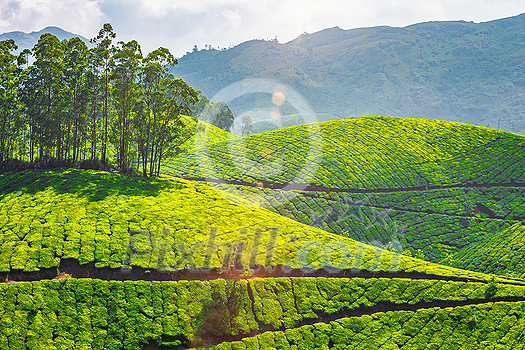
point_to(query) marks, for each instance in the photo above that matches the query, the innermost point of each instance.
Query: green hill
(297, 312)
(456, 70)
(501, 252)
(428, 187)
(366, 153)
(96, 260)
(49, 217)
(205, 133)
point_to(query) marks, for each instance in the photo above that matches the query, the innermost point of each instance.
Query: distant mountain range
(28, 40)
(454, 70)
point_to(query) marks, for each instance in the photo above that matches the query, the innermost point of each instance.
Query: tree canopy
(216, 113)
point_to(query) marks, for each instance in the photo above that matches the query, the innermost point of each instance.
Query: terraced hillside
(432, 188)
(95, 260)
(279, 313)
(368, 153)
(52, 218)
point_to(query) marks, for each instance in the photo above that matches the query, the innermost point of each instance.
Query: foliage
(91, 216)
(440, 328)
(432, 221)
(162, 128)
(502, 253)
(385, 153)
(216, 113)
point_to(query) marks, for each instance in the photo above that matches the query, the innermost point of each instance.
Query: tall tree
(10, 116)
(105, 52)
(75, 76)
(216, 113)
(43, 94)
(224, 117)
(247, 124)
(93, 82)
(126, 94)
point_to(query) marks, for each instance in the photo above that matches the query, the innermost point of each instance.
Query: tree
(104, 51)
(126, 93)
(43, 95)
(247, 125)
(224, 117)
(75, 75)
(10, 108)
(70, 95)
(162, 129)
(218, 113)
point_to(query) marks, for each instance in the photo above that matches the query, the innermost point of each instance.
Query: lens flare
(275, 113)
(278, 98)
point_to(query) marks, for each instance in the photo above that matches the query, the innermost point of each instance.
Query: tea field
(364, 153)
(362, 233)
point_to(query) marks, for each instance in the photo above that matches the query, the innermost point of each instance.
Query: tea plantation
(403, 234)
(426, 187)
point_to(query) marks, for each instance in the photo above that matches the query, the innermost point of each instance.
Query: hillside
(96, 260)
(458, 71)
(364, 154)
(28, 40)
(53, 217)
(501, 252)
(206, 133)
(400, 183)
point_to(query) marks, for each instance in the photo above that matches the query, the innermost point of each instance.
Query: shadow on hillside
(93, 185)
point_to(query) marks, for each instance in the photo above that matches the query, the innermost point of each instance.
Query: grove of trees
(64, 102)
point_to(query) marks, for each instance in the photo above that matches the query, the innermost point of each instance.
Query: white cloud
(233, 18)
(78, 16)
(180, 24)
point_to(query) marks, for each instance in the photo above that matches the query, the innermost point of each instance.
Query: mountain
(454, 70)
(28, 40)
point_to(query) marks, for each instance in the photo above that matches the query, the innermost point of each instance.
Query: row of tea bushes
(501, 253)
(485, 326)
(97, 314)
(414, 225)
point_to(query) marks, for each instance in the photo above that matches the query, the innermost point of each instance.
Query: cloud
(181, 24)
(233, 18)
(78, 16)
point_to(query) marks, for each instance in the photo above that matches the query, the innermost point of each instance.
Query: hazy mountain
(28, 40)
(455, 70)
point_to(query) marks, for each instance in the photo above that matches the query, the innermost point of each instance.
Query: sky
(181, 24)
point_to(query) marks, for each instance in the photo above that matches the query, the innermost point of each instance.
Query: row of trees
(108, 102)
